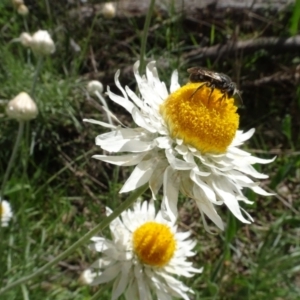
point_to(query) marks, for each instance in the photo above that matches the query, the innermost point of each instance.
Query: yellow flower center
(202, 118)
(154, 244)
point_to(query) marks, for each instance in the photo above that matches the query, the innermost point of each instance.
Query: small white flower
(23, 10)
(109, 10)
(144, 254)
(87, 277)
(22, 108)
(95, 86)
(5, 213)
(186, 140)
(25, 39)
(40, 42)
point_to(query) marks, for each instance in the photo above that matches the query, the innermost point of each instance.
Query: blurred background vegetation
(58, 192)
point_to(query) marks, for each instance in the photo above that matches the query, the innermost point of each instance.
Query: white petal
(137, 101)
(260, 191)
(128, 105)
(92, 121)
(182, 149)
(176, 163)
(97, 238)
(123, 281)
(143, 288)
(158, 86)
(156, 179)
(140, 175)
(131, 292)
(255, 160)
(230, 201)
(209, 210)
(136, 73)
(122, 133)
(108, 274)
(151, 210)
(242, 137)
(170, 197)
(248, 215)
(118, 84)
(174, 82)
(122, 160)
(201, 173)
(108, 112)
(208, 192)
(140, 120)
(176, 287)
(248, 169)
(124, 145)
(164, 142)
(247, 135)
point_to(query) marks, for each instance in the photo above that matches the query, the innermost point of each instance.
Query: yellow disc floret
(154, 244)
(202, 117)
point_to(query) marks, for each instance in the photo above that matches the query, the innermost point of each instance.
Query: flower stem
(106, 221)
(12, 157)
(36, 74)
(145, 35)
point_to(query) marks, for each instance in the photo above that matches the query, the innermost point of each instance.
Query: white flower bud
(22, 10)
(42, 43)
(22, 108)
(26, 39)
(5, 213)
(109, 10)
(86, 277)
(95, 86)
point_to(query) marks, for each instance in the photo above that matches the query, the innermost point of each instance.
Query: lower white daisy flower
(186, 140)
(145, 252)
(5, 213)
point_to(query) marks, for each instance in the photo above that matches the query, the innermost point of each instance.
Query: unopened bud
(95, 86)
(22, 10)
(26, 39)
(22, 108)
(86, 277)
(5, 213)
(41, 43)
(109, 10)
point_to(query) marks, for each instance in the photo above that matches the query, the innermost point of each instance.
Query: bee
(216, 80)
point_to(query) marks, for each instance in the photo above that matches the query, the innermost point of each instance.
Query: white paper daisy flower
(5, 213)
(145, 252)
(186, 140)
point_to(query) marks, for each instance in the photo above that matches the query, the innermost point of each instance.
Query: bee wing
(205, 72)
(225, 77)
(212, 74)
(194, 70)
(238, 101)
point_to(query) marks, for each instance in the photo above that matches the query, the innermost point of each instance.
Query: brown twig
(291, 75)
(282, 199)
(230, 48)
(78, 174)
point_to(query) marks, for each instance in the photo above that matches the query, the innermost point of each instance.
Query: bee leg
(197, 89)
(224, 94)
(223, 97)
(212, 88)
